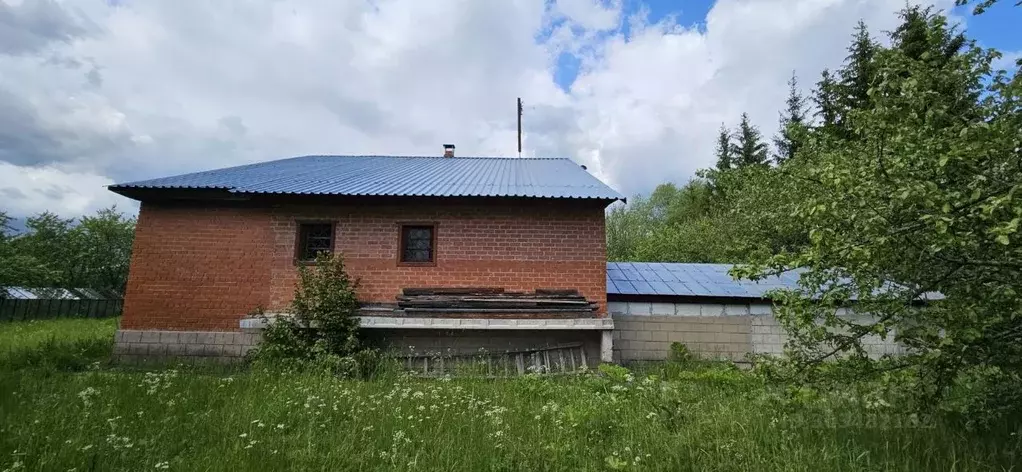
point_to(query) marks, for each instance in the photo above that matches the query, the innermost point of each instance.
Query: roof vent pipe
(448, 150)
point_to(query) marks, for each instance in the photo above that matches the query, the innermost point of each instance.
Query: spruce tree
(825, 98)
(724, 157)
(857, 74)
(926, 38)
(792, 123)
(748, 148)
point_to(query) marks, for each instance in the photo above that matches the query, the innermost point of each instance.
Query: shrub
(680, 353)
(616, 373)
(322, 329)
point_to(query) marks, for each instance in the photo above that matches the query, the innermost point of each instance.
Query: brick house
(210, 247)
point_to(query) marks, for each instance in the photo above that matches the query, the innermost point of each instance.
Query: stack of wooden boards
(551, 302)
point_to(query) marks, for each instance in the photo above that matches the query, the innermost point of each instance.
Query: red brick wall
(197, 268)
(204, 268)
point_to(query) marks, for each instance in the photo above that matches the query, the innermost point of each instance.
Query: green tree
(93, 252)
(792, 125)
(105, 241)
(54, 244)
(749, 148)
(723, 150)
(16, 267)
(922, 196)
(672, 224)
(857, 74)
(826, 97)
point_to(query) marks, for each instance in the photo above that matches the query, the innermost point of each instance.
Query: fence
(53, 308)
(562, 359)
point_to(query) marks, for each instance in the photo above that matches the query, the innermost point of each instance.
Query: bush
(321, 332)
(680, 353)
(616, 373)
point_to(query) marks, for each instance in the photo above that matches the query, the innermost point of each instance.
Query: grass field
(62, 408)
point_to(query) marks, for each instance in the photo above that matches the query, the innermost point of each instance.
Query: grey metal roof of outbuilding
(396, 176)
(689, 280)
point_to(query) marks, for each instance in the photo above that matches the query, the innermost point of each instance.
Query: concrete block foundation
(134, 346)
(420, 337)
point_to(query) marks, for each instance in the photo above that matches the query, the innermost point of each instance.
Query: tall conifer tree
(724, 157)
(792, 123)
(748, 148)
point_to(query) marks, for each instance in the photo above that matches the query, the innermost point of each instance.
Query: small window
(418, 244)
(314, 238)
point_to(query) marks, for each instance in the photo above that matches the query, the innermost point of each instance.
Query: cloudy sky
(100, 91)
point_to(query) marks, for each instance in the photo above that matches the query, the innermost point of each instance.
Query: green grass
(56, 416)
(64, 344)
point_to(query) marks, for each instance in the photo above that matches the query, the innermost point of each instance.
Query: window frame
(298, 239)
(401, 243)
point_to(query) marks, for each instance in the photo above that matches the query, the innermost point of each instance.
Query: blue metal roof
(689, 280)
(397, 176)
(700, 280)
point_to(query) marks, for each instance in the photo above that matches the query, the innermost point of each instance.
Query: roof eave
(148, 193)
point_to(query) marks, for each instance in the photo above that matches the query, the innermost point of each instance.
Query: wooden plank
(498, 296)
(451, 290)
(524, 300)
(498, 310)
(582, 353)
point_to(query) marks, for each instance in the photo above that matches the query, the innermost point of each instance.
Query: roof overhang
(226, 196)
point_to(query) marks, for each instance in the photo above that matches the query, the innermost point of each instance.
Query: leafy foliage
(322, 328)
(905, 186)
(16, 267)
(918, 193)
(93, 251)
(673, 223)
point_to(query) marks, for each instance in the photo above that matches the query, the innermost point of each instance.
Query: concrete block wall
(649, 337)
(645, 330)
(141, 345)
(768, 337)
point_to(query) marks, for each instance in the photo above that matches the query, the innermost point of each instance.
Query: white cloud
(65, 192)
(1008, 61)
(591, 15)
(102, 91)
